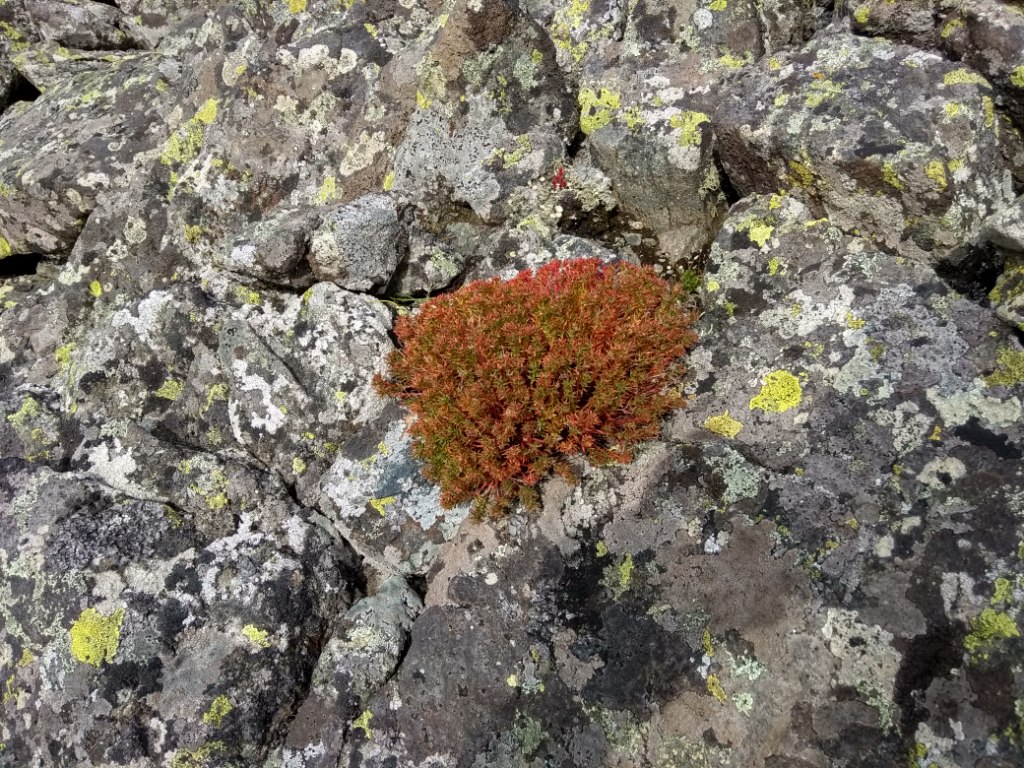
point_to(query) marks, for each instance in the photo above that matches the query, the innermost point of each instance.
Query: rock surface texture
(216, 547)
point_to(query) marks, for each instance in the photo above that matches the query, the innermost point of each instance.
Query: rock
(85, 25)
(356, 245)
(987, 35)
(681, 201)
(84, 136)
(365, 647)
(1005, 231)
(917, 167)
(137, 639)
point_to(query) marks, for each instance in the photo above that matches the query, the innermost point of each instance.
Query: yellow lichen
(853, 322)
(296, 6)
(781, 392)
(389, 181)
(731, 61)
(1017, 77)
(298, 465)
(724, 425)
(96, 288)
(987, 629)
(362, 723)
(219, 709)
(170, 389)
(28, 411)
(95, 638)
(964, 76)
(597, 108)
(718, 5)
(1010, 369)
(759, 233)
(951, 26)
(688, 123)
(381, 504)
(328, 191)
(862, 14)
(715, 688)
(891, 177)
(5, 248)
(256, 636)
(936, 171)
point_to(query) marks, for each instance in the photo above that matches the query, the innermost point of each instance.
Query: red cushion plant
(507, 379)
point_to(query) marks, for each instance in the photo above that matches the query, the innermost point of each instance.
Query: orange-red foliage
(507, 379)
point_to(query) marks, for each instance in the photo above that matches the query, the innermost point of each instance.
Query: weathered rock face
(216, 548)
(886, 139)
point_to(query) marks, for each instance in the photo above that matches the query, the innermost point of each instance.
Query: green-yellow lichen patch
(389, 181)
(1010, 370)
(688, 124)
(298, 465)
(219, 709)
(597, 108)
(328, 191)
(781, 392)
(203, 756)
(732, 61)
(296, 6)
(724, 425)
(715, 688)
(170, 389)
(362, 723)
(96, 288)
(95, 638)
(1017, 76)
(951, 26)
(862, 14)
(5, 248)
(987, 629)
(936, 171)
(964, 76)
(891, 177)
(381, 504)
(759, 233)
(256, 636)
(28, 411)
(718, 5)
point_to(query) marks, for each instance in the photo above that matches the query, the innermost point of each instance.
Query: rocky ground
(216, 549)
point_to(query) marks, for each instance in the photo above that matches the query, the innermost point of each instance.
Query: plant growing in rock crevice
(507, 380)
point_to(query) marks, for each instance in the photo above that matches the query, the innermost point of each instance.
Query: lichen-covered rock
(1005, 232)
(987, 35)
(130, 637)
(356, 246)
(82, 24)
(84, 136)
(657, 128)
(377, 499)
(364, 650)
(892, 142)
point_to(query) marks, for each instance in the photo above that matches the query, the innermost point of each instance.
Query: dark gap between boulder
(20, 265)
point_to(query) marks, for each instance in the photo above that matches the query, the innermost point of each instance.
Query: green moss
(781, 392)
(597, 108)
(987, 629)
(95, 638)
(219, 709)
